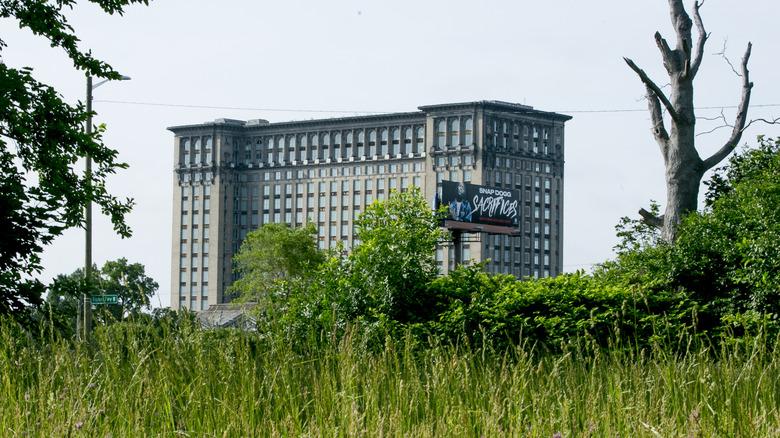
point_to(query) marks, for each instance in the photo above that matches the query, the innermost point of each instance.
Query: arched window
(383, 149)
(337, 138)
(291, 150)
(371, 143)
(420, 140)
(258, 153)
(467, 128)
(280, 149)
(186, 151)
(454, 133)
(269, 156)
(396, 148)
(408, 141)
(247, 153)
(441, 134)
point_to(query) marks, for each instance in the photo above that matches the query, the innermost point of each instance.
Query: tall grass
(133, 380)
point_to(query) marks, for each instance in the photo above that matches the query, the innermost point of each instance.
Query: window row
(530, 166)
(332, 172)
(450, 134)
(309, 147)
(519, 136)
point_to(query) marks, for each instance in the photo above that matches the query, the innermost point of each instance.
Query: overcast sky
(192, 61)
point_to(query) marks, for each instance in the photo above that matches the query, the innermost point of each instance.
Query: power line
(645, 109)
(175, 105)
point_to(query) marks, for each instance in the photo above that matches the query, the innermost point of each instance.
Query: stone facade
(232, 176)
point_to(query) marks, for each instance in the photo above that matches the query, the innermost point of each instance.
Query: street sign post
(105, 299)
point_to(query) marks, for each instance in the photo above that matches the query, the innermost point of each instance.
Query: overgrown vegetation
(374, 343)
(128, 281)
(162, 378)
(722, 273)
(727, 257)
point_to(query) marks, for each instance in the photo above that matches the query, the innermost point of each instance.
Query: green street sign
(105, 299)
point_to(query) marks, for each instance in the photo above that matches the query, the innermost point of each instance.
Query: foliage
(128, 281)
(395, 260)
(727, 257)
(748, 164)
(173, 379)
(274, 257)
(554, 313)
(379, 286)
(41, 139)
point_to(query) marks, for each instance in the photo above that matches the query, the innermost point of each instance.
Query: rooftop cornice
(338, 122)
(331, 123)
(496, 106)
(242, 127)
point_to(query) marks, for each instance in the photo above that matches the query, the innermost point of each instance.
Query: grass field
(138, 381)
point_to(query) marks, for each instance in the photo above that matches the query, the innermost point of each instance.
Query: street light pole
(87, 304)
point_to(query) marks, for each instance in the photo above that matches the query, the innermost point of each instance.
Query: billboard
(469, 203)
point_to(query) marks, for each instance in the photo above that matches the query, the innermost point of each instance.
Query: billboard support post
(457, 242)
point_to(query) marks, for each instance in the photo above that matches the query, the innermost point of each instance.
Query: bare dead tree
(684, 167)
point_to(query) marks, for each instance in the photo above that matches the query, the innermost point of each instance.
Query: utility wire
(385, 112)
(176, 105)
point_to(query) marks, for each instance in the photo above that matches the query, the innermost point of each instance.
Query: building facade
(232, 176)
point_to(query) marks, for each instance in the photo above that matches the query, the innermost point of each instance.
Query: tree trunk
(684, 166)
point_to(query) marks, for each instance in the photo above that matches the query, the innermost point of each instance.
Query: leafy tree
(750, 163)
(41, 140)
(386, 275)
(729, 255)
(726, 257)
(130, 284)
(684, 167)
(273, 257)
(381, 284)
(128, 281)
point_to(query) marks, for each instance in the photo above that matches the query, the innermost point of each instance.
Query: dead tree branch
(653, 87)
(703, 36)
(741, 118)
(722, 53)
(651, 220)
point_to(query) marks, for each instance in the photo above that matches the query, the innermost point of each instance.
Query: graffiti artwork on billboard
(480, 204)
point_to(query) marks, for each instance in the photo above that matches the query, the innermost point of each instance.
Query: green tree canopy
(729, 255)
(387, 273)
(41, 140)
(128, 281)
(726, 257)
(273, 256)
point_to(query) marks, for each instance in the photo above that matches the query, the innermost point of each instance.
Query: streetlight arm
(122, 78)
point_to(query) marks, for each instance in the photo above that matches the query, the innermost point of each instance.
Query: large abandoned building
(232, 176)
